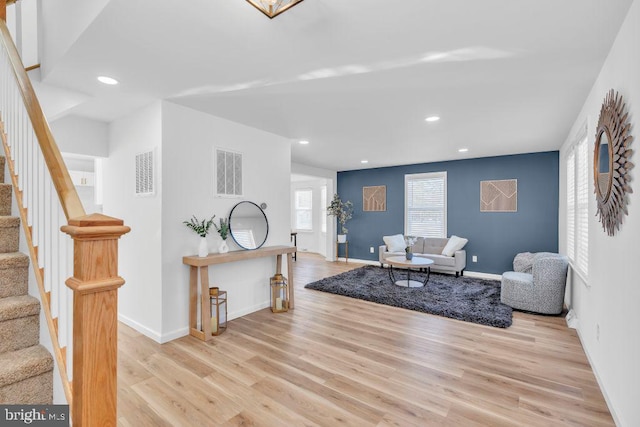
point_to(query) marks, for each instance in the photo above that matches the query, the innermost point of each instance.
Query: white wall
(312, 241)
(189, 138)
(610, 300)
(140, 299)
(61, 23)
(79, 135)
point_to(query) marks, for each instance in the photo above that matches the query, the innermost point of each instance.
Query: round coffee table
(402, 262)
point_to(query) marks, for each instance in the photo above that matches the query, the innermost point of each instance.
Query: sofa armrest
(460, 259)
(381, 250)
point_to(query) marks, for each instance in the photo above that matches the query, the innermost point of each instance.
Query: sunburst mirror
(611, 163)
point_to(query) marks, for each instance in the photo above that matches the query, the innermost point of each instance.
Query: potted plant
(410, 241)
(343, 211)
(201, 228)
(223, 231)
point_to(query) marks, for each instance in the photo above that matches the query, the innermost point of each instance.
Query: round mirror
(603, 164)
(611, 177)
(248, 225)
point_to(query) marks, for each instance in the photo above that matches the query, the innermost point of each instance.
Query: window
(578, 206)
(323, 208)
(426, 204)
(304, 213)
(228, 173)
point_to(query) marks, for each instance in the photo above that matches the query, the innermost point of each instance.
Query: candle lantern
(279, 294)
(218, 311)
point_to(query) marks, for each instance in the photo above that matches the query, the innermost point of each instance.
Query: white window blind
(571, 205)
(304, 210)
(578, 207)
(323, 209)
(426, 204)
(582, 208)
(228, 173)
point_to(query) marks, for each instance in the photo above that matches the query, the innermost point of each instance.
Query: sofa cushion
(434, 245)
(454, 244)
(418, 246)
(439, 259)
(395, 243)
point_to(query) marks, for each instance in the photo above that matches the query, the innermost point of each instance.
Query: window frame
(577, 226)
(296, 209)
(427, 175)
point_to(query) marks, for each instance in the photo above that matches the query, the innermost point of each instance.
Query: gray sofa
(431, 248)
(538, 284)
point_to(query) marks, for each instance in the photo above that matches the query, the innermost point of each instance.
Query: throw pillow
(395, 243)
(454, 244)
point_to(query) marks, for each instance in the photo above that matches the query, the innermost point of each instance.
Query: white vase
(342, 238)
(223, 248)
(203, 247)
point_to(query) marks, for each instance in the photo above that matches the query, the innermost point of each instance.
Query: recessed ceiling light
(107, 80)
(463, 150)
(303, 142)
(432, 119)
(364, 161)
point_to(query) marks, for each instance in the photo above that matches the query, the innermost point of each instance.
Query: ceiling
(356, 78)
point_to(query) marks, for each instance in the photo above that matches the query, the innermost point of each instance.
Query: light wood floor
(341, 361)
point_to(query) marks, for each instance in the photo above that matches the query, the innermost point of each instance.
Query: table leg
(193, 297)
(205, 303)
(291, 286)
(428, 274)
(391, 276)
(346, 252)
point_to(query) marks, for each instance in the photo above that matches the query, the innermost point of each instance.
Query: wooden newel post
(95, 284)
(3, 10)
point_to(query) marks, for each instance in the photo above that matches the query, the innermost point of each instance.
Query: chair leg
(457, 274)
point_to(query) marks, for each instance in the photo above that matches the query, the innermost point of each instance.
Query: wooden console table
(202, 264)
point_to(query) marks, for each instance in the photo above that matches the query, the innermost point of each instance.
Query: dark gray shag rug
(463, 298)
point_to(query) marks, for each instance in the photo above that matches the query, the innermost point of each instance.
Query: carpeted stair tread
(13, 260)
(8, 221)
(25, 363)
(14, 274)
(5, 199)
(2, 162)
(17, 307)
(9, 234)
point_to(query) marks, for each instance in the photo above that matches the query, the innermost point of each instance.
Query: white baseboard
(615, 417)
(248, 310)
(140, 328)
(479, 275)
(184, 331)
(360, 261)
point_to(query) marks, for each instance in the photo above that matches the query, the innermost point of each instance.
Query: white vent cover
(228, 173)
(144, 174)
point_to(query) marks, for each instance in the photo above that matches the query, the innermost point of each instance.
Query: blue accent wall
(495, 238)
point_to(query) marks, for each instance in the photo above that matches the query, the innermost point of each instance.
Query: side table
(346, 250)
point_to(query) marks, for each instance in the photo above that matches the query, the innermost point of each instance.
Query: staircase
(26, 368)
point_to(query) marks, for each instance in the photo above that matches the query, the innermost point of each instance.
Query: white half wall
(189, 138)
(80, 135)
(608, 303)
(139, 256)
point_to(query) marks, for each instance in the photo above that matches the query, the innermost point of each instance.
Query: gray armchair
(541, 290)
